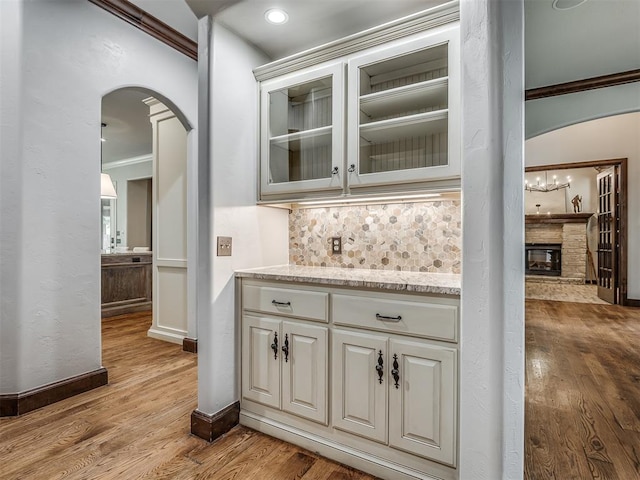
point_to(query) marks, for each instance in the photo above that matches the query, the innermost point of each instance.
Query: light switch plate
(336, 245)
(224, 247)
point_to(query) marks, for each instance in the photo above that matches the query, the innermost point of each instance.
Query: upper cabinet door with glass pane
(404, 124)
(302, 133)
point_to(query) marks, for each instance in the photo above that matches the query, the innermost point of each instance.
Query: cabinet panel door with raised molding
(422, 407)
(305, 371)
(260, 363)
(359, 392)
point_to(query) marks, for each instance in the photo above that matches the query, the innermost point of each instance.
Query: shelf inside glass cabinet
(407, 99)
(421, 124)
(300, 156)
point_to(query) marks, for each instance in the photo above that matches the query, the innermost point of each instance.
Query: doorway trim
(622, 259)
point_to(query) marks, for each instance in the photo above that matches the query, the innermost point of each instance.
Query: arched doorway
(145, 261)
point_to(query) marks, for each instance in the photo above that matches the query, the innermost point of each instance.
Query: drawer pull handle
(285, 347)
(274, 345)
(280, 304)
(395, 373)
(388, 319)
(380, 367)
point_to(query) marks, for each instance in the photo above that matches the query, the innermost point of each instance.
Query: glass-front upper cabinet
(404, 124)
(302, 133)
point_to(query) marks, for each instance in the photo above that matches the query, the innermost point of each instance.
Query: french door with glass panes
(302, 132)
(608, 234)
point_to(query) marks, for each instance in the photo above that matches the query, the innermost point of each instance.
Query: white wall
(11, 194)
(62, 58)
(606, 138)
(260, 234)
(492, 317)
(120, 173)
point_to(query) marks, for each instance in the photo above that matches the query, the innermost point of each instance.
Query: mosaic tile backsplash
(419, 237)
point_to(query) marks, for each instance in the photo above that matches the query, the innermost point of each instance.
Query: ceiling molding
(128, 161)
(583, 85)
(149, 24)
(397, 29)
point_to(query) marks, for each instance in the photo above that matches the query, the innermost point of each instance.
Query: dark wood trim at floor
(632, 302)
(15, 404)
(577, 86)
(210, 427)
(159, 30)
(190, 345)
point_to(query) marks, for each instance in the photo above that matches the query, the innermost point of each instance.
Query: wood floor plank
(138, 425)
(582, 411)
(582, 404)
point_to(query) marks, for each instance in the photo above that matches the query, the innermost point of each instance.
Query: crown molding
(397, 29)
(149, 24)
(577, 86)
(128, 161)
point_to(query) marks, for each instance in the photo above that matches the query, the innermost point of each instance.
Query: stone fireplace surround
(569, 230)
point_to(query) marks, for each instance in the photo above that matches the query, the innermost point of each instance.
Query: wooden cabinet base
(347, 451)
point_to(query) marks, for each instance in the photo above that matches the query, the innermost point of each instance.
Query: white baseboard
(172, 337)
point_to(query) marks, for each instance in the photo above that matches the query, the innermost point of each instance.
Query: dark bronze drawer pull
(388, 319)
(274, 345)
(280, 304)
(380, 366)
(395, 373)
(285, 347)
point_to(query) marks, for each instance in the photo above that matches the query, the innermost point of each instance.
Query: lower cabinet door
(359, 393)
(422, 407)
(305, 371)
(260, 364)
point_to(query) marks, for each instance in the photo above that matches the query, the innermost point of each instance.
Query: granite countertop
(440, 283)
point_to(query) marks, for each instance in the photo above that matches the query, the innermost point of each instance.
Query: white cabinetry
(399, 117)
(359, 399)
(381, 397)
(403, 102)
(302, 132)
(422, 402)
(284, 361)
(397, 392)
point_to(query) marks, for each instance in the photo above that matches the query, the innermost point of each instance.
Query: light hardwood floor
(582, 410)
(138, 426)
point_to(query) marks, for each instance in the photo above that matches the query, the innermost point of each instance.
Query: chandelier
(546, 186)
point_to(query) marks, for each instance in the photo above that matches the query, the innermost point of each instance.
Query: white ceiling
(599, 37)
(596, 38)
(311, 22)
(128, 132)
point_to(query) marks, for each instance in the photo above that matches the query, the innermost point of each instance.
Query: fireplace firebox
(543, 259)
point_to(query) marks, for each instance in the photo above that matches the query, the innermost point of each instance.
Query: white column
(169, 224)
(492, 331)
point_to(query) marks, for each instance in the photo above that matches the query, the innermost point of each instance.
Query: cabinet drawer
(285, 301)
(437, 319)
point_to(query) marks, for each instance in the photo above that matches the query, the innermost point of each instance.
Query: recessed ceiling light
(567, 4)
(276, 16)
